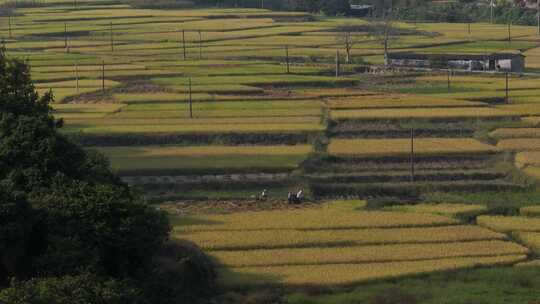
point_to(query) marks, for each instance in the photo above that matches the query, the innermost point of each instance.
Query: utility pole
(412, 155)
(77, 76)
(190, 99)
(506, 89)
(103, 76)
(112, 39)
(200, 45)
(337, 63)
(538, 15)
(262, 4)
(509, 33)
(65, 36)
(9, 25)
(287, 57)
(448, 78)
(184, 43)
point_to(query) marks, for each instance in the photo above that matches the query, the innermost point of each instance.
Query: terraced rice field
(443, 209)
(531, 239)
(249, 115)
(293, 238)
(509, 223)
(519, 144)
(389, 147)
(152, 160)
(122, 78)
(530, 211)
(340, 243)
(350, 274)
(527, 158)
(420, 113)
(505, 133)
(533, 120)
(396, 101)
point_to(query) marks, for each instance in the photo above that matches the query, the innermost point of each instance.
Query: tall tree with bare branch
(347, 38)
(382, 31)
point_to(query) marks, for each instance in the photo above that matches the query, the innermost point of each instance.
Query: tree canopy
(67, 221)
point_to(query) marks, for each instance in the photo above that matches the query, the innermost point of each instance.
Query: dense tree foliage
(67, 221)
(328, 7)
(80, 289)
(411, 10)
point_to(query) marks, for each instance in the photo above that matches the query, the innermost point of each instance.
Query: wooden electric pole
(506, 89)
(103, 76)
(112, 39)
(77, 76)
(337, 63)
(190, 99)
(412, 155)
(9, 26)
(448, 78)
(509, 33)
(287, 58)
(200, 45)
(184, 43)
(65, 36)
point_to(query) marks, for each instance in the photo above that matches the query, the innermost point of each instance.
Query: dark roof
(445, 57)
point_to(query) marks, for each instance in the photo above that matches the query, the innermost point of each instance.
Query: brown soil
(225, 206)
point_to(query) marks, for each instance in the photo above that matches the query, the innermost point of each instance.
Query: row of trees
(328, 7)
(420, 10)
(71, 231)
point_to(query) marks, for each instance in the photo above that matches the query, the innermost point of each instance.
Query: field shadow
(232, 279)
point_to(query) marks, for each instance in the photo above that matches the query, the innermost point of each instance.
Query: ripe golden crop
(290, 238)
(504, 133)
(509, 223)
(519, 144)
(314, 219)
(365, 254)
(419, 113)
(442, 208)
(385, 147)
(343, 274)
(530, 211)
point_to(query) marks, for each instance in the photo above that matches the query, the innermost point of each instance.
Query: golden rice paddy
(386, 147)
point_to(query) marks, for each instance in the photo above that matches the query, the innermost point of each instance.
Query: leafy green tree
(335, 7)
(18, 238)
(100, 227)
(81, 289)
(71, 225)
(58, 194)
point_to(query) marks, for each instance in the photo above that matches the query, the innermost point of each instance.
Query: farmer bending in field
(299, 196)
(264, 195)
(290, 197)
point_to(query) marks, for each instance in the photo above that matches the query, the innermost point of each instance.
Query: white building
(504, 62)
